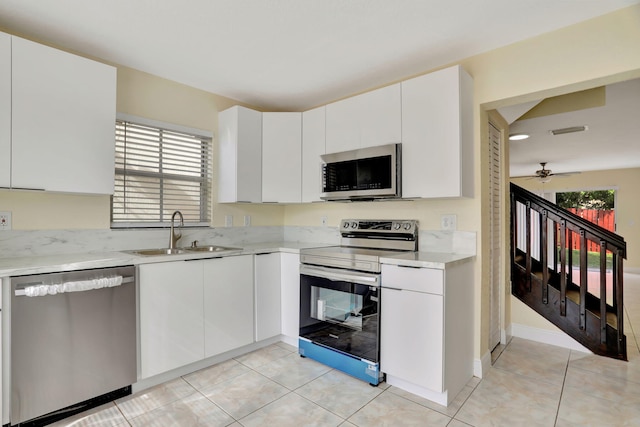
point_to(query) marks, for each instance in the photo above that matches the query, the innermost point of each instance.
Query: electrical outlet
(324, 220)
(228, 220)
(247, 220)
(5, 221)
(448, 222)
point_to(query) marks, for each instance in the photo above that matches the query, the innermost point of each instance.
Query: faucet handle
(194, 244)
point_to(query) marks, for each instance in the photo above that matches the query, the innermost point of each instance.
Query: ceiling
(289, 54)
(612, 140)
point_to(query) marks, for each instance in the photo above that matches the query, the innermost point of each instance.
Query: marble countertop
(438, 260)
(41, 264)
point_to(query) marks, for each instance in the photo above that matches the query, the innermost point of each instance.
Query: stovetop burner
(363, 242)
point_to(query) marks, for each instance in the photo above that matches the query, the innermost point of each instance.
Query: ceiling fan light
(518, 136)
(544, 179)
(571, 129)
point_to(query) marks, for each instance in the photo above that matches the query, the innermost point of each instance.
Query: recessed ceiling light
(518, 136)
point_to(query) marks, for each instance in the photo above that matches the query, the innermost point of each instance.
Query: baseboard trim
(545, 336)
(481, 366)
(632, 270)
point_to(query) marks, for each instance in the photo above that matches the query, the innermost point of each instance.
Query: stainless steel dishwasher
(73, 342)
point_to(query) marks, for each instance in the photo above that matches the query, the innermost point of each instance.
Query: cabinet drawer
(414, 279)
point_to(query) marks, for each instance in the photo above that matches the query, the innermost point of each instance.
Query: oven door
(339, 309)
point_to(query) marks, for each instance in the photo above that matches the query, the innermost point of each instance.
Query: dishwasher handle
(41, 289)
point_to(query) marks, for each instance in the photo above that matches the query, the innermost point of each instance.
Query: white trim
(632, 270)
(434, 396)
(163, 125)
(481, 366)
(557, 338)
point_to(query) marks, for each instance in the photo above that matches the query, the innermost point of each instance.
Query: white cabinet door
(313, 146)
(343, 125)
(437, 135)
(228, 303)
(366, 120)
(267, 279)
(290, 295)
(63, 120)
(240, 155)
(5, 110)
(411, 337)
(282, 157)
(171, 313)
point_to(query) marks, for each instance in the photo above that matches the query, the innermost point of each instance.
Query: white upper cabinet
(313, 146)
(5, 110)
(63, 112)
(240, 155)
(282, 157)
(437, 135)
(366, 120)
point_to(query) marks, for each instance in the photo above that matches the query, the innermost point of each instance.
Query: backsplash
(18, 243)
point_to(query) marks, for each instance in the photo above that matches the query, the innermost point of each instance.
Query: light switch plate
(5, 221)
(228, 220)
(247, 220)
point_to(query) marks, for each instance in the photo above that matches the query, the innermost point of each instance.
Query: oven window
(337, 307)
(340, 315)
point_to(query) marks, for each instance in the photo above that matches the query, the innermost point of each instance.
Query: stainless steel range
(340, 298)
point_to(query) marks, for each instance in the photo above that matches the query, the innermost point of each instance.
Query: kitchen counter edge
(42, 264)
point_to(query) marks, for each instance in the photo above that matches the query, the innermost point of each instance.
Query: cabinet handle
(408, 266)
(263, 253)
(391, 289)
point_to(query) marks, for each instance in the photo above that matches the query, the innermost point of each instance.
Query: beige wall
(586, 55)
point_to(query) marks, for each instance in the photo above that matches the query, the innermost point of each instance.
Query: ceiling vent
(568, 130)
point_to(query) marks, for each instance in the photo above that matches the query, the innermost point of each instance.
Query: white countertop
(437, 260)
(26, 265)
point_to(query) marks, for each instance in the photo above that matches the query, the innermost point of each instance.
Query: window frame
(205, 199)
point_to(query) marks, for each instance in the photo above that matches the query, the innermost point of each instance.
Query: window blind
(159, 171)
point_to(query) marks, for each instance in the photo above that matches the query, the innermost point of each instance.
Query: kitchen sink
(177, 251)
(210, 249)
(161, 251)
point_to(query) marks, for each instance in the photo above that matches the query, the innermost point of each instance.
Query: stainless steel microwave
(364, 174)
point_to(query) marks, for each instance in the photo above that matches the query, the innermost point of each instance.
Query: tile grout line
(564, 380)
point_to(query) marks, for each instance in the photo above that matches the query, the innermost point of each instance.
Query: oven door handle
(341, 275)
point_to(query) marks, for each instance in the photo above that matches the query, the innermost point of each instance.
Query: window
(160, 168)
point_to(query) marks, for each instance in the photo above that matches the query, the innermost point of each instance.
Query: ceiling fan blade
(565, 173)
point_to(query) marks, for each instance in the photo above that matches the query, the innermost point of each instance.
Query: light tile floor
(529, 384)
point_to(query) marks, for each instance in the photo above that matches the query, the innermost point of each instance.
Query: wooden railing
(540, 230)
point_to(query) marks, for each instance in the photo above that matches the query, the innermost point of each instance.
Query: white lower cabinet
(426, 332)
(171, 313)
(228, 303)
(193, 309)
(410, 349)
(290, 296)
(267, 288)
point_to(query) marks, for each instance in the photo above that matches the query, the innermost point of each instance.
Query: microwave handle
(334, 275)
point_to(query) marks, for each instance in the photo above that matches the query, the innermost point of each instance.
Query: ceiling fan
(544, 175)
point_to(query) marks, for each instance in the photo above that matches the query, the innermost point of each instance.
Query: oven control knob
(396, 226)
(354, 225)
(407, 225)
(345, 224)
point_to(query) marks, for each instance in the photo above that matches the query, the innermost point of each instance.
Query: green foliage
(602, 199)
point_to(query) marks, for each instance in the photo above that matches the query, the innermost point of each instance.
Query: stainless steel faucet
(175, 237)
